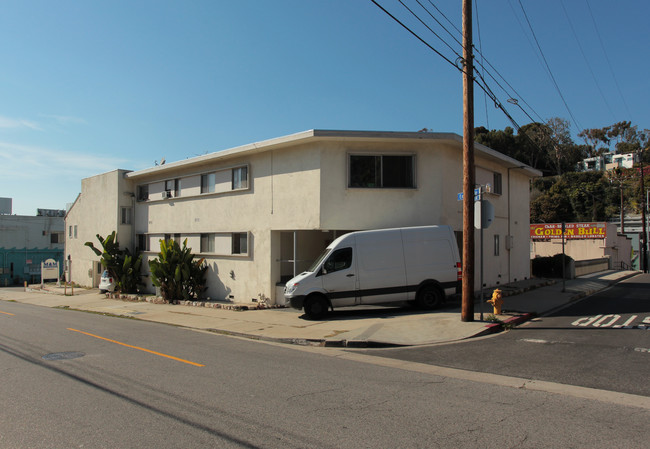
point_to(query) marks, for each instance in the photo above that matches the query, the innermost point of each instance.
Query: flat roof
(331, 135)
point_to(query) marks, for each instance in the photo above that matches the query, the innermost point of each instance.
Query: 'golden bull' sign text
(571, 231)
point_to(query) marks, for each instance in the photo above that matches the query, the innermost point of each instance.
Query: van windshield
(318, 261)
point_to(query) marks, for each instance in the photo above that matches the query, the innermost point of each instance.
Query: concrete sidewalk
(352, 327)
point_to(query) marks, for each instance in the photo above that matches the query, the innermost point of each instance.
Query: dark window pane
(365, 171)
(398, 171)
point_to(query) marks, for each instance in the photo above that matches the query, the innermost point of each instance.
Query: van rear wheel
(316, 307)
(429, 297)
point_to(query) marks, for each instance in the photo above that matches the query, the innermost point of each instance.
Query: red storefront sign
(571, 231)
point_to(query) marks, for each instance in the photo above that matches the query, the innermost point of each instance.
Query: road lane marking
(136, 347)
(7, 313)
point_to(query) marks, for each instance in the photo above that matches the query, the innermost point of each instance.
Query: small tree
(176, 272)
(121, 264)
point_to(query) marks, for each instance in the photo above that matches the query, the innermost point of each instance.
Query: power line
(593, 75)
(482, 84)
(609, 64)
(414, 33)
(480, 45)
(548, 68)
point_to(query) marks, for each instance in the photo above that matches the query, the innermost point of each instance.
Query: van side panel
(429, 255)
(380, 264)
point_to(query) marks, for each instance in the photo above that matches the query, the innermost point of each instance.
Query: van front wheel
(316, 307)
(429, 297)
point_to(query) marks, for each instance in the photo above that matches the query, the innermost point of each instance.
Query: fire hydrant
(496, 301)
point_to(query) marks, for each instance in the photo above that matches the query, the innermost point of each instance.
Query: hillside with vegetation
(563, 193)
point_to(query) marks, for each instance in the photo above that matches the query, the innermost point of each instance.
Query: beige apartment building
(262, 212)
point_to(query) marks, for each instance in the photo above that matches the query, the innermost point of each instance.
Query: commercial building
(262, 212)
(593, 246)
(26, 241)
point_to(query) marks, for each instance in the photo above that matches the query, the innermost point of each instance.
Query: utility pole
(467, 313)
(644, 235)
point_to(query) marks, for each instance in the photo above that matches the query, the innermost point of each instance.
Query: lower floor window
(240, 243)
(207, 243)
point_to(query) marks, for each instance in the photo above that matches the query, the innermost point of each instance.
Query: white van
(419, 264)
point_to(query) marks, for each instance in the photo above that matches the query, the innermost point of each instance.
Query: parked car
(107, 283)
(418, 264)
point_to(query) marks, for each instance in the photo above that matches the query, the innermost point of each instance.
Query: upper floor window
(125, 215)
(173, 188)
(240, 178)
(208, 182)
(382, 171)
(143, 192)
(497, 186)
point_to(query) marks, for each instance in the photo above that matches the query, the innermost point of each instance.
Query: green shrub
(176, 273)
(121, 264)
(550, 267)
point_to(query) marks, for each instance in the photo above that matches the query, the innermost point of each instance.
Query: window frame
(497, 183)
(239, 182)
(206, 243)
(143, 192)
(126, 215)
(380, 170)
(236, 243)
(209, 186)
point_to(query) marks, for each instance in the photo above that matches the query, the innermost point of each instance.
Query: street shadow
(386, 311)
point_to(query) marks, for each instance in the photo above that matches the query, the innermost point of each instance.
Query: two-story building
(262, 212)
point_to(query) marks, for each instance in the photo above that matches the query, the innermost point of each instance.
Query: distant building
(593, 246)
(26, 241)
(607, 161)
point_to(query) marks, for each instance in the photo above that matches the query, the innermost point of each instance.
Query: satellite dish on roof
(162, 161)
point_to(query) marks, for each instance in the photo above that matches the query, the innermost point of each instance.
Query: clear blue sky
(90, 86)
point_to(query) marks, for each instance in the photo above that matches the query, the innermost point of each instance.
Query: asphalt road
(74, 379)
(600, 342)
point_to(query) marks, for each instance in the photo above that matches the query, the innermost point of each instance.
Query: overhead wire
(609, 64)
(482, 61)
(548, 68)
(480, 45)
(584, 56)
(482, 84)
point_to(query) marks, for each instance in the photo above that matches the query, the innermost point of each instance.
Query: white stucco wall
(96, 211)
(299, 184)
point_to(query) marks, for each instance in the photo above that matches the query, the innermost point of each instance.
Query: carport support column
(295, 253)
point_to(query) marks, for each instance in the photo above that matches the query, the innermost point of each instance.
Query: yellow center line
(7, 313)
(136, 347)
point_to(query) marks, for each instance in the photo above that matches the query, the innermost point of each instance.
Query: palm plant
(176, 273)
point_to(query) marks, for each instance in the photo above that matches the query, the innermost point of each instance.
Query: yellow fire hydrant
(496, 301)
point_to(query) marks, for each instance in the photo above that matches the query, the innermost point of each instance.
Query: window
(126, 216)
(340, 259)
(240, 243)
(173, 187)
(207, 243)
(143, 242)
(240, 178)
(70, 231)
(143, 192)
(54, 237)
(207, 183)
(75, 231)
(496, 245)
(382, 171)
(497, 185)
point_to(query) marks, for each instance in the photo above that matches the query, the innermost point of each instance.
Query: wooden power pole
(467, 313)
